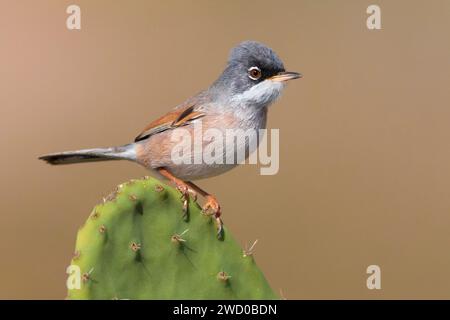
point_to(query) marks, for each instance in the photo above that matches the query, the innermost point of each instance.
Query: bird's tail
(126, 152)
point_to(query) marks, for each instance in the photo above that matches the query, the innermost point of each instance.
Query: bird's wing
(180, 116)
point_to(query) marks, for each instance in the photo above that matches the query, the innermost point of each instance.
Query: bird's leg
(181, 186)
(211, 206)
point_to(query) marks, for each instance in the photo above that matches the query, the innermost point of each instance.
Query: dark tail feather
(90, 155)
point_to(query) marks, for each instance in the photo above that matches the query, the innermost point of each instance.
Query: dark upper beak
(285, 76)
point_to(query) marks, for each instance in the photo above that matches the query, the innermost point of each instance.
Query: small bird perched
(253, 78)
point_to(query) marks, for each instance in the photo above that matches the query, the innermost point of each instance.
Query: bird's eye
(254, 73)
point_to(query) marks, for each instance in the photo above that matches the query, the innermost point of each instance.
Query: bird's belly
(199, 171)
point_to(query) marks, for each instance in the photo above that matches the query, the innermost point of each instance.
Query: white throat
(262, 94)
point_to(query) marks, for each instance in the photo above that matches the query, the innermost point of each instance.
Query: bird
(253, 78)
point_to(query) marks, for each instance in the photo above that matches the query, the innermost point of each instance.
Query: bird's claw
(184, 190)
(220, 232)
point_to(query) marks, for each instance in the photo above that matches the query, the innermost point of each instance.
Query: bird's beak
(285, 76)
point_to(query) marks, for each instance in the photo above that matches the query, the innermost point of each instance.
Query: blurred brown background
(364, 170)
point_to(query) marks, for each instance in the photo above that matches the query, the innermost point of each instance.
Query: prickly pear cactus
(136, 245)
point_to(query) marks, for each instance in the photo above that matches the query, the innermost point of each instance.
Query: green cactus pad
(136, 245)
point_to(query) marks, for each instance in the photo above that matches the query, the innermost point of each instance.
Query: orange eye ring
(254, 73)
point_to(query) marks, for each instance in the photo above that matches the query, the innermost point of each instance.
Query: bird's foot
(212, 207)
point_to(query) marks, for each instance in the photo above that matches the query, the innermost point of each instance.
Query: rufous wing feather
(181, 116)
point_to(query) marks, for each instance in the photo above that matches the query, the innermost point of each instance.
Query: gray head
(254, 75)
